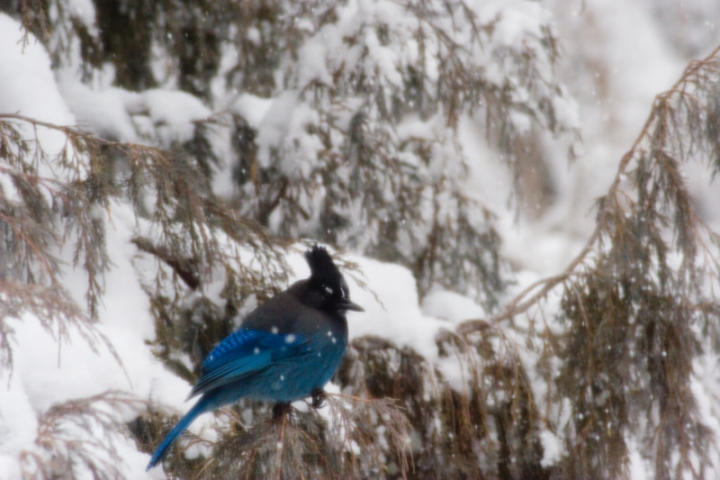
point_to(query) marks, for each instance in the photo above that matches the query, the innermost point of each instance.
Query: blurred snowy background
(453, 154)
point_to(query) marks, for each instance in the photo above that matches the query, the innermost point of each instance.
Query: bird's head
(326, 283)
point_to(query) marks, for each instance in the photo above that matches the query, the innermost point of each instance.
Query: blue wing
(242, 353)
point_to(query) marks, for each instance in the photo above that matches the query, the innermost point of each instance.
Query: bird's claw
(279, 410)
(318, 397)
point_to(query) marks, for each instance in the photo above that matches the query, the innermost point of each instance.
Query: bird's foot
(318, 397)
(279, 411)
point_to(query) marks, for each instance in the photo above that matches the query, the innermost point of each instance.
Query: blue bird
(286, 349)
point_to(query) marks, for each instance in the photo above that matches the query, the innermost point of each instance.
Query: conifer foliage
(347, 123)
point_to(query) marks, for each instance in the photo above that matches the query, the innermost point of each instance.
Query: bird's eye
(328, 290)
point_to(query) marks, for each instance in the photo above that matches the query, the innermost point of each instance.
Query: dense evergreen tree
(344, 123)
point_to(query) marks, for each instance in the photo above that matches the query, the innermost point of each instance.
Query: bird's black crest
(321, 264)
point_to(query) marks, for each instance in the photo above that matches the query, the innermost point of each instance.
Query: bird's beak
(348, 305)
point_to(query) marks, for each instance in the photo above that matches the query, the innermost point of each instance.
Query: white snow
(552, 448)
(27, 84)
(252, 108)
(451, 306)
(84, 10)
(621, 33)
(28, 88)
(174, 112)
(395, 313)
(101, 111)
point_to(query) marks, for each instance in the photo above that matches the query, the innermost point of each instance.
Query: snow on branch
(636, 301)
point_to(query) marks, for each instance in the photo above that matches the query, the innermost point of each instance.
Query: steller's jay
(286, 349)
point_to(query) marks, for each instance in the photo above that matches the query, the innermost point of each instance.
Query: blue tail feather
(200, 407)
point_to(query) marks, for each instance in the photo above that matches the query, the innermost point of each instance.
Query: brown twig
(519, 304)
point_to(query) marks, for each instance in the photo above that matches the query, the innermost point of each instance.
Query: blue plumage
(201, 406)
(285, 349)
